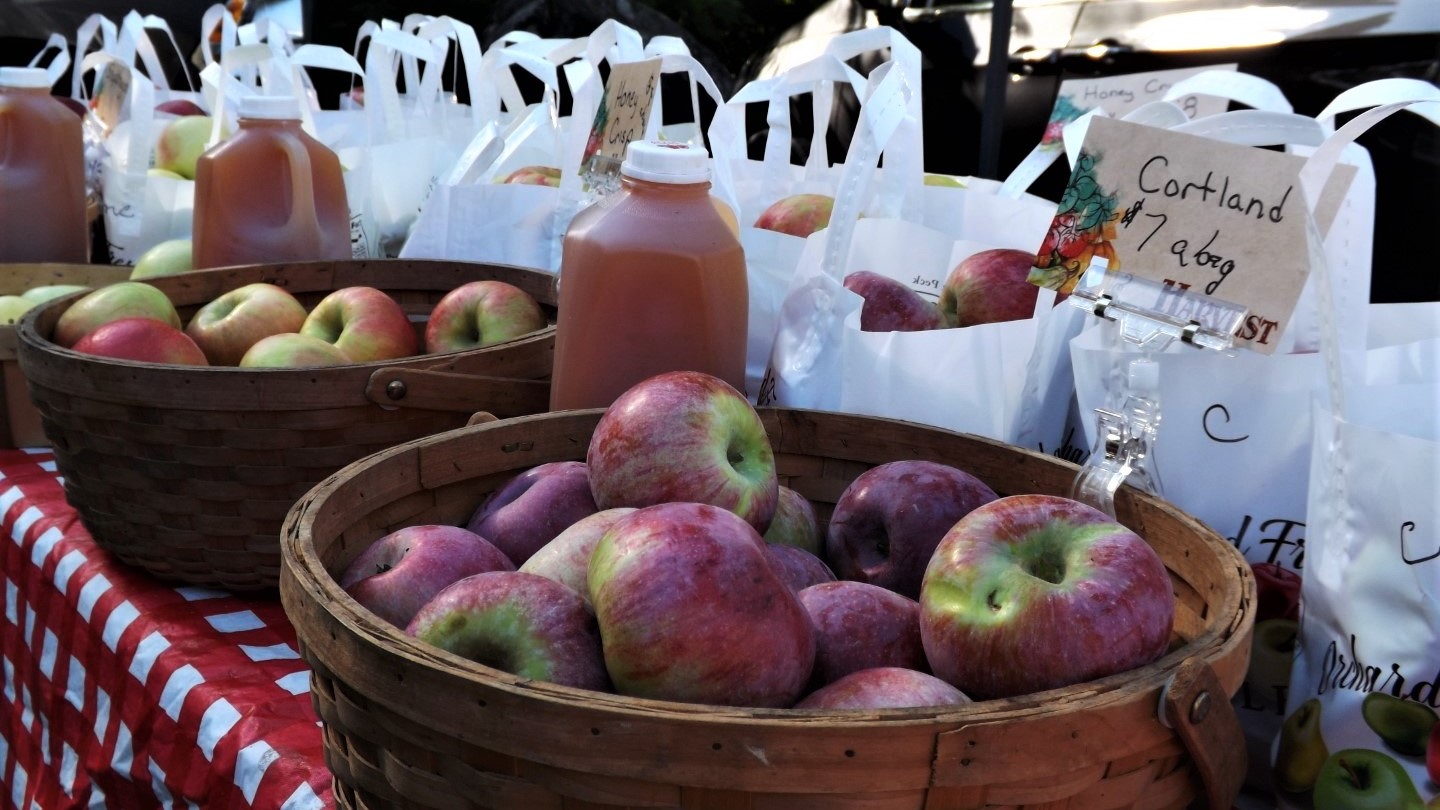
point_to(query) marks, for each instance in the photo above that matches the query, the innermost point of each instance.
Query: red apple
(566, 559)
(889, 520)
(74, 104)
(292, 350)
(691, 611)
(535, 176)
(795, 523)
(519, 623)
(797, 567)
(884, 688)
(531, 508)
(860, 626)
(890, 305)
(122, 299)
(797, 214)
(1035, 592)
(1432, 756)
(144, 339)
(180, 107)
(229, 325)
(1277, 592)
(479, 313)
(398, 573)
(684, 436)
(364, 323)
(989, 287)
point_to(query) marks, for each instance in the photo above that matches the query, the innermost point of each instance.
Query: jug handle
(302, 188)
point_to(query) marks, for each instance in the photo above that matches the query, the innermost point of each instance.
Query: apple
(479, 313)
(797, 567)
(1272, 656)
(519, 623)
(180, 107)
(1364, 779)
(989, 287)
(122, 299)
(684, 436)
(1432, 755)
(860, 626)
(1300, 750)
(364, 323)
(1404, 726)
(398, 573)
(165, 259)
(795, 523)
(292, 350)
(884, 688)
(75, 105)
(181, 143)
(227, 326)
(888, 521)
(797, 214)
(143, 339)
(535, 176)
(165, 174)
(1035, 592)
(12, 307)
(943, 180)
(49, 292)
(890, 305)
(566, 559)
(531, 508)
(1277, 592)
(691, 611)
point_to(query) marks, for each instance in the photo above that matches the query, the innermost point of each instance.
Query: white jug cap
(27, 77)
(666, 162)
(270, 107)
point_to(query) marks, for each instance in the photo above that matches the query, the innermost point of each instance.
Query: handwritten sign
(1189, 213)
(622, 115)
(1119, 95)
(110, 97)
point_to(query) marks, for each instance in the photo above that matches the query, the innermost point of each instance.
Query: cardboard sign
(1119, 95)
(622, 116)
(1188, 213)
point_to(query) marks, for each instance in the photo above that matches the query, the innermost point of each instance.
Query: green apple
(1364, 779)
(1302, 750)
(797, 214)
(165, 174)
(181, 143)
(1272, 655)
(165, 259)
(1403, 725)
(293, 350)
(945, 180)
(12, 307)
(48, 292)
(123, 299)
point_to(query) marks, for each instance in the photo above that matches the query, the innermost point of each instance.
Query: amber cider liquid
(269, 193)
(42, 179)
(652, 279)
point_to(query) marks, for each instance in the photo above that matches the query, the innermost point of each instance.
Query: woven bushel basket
(408, 725)
(188, 472)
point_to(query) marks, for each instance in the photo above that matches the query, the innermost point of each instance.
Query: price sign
(623, 113)
(1188, 213)
(1119, 95)
(110, 97)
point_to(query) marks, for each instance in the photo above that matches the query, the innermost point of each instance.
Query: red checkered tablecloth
(123, 692)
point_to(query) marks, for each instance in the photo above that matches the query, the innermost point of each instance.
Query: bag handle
(98, 29)
(1250, 90)
(444, 30)
(59, 64)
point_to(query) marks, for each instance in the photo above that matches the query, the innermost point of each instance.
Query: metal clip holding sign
(1149, 317)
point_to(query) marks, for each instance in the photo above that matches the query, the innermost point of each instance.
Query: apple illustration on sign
(566, 559)
(1036, 592)
(142, 339)
(796, 567)
(797, 214)
(989, 287)
(364, 323)
(795, 522)
(684, 436)
(519, 623)
(1272, 656)
(292, 350)
(165, 259)
(1403, 725)
(884, 688)
(398, 573)
(888, 521)
(122, 299)
(531, 508)
(480, 313)
(1365, 779)
(890, 305)
(228, 325)
(1432, 756)
(861, 626)
(691, 611)
(1277, 592)
(534, 176)
(1300, 749)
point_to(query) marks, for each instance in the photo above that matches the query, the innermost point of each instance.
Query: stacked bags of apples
(700, 579)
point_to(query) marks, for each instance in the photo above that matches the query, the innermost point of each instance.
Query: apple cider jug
(42, 173)
(652, 279)
(270, 192)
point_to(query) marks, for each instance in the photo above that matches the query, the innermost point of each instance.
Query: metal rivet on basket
(1200, 708)
(395, 389)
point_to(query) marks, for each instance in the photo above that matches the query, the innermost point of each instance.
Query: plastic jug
(652, 279)
(42, 173)
(269, 193)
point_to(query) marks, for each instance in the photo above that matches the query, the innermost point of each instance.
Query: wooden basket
(20, 422)
(408, 725)
(188, 472)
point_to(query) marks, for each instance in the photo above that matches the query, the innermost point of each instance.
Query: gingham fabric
(123, 692)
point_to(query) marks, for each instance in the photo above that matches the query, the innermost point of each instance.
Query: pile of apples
(263, 325)
(671, 564)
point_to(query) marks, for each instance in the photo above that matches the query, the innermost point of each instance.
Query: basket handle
(1196, 705)
(460, 393)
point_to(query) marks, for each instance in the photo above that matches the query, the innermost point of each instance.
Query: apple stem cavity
(1359, 775)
